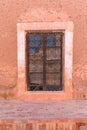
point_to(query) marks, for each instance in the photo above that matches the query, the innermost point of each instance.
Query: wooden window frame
(21, 87)
(44, 71)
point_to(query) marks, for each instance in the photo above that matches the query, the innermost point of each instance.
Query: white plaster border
(68, 59)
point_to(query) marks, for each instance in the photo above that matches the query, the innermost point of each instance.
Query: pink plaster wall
(14, 11)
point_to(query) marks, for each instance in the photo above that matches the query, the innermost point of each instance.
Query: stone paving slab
(43, 110)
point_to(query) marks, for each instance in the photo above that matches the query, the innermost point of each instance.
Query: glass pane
(58, 42)
(53, 66)
(35, 40)
(58, 39)
(53, 53)
(36, 60)
(36, 66)
(36, 78)
(51, 40)
(36, 81)
(36, 53)
(52, 81)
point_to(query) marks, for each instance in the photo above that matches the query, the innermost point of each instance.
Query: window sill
(45, 95)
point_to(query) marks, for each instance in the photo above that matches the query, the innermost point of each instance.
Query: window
(44, 61)
(45, 54)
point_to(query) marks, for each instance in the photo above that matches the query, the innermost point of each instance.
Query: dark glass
(35, 40)
(51, 40)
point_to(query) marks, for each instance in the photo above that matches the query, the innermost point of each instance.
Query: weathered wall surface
(14, 11)
(41, 125)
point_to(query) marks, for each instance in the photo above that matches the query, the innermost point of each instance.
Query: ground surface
(32, 110)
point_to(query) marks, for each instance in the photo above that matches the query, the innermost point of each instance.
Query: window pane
(36, 78)
(58, 39)
(36, 66)
(36, 59)
(36, 81)
(53, 81)
(51, 40)
(53, 66)
(35, 40)
(36, 53)
(53, 53)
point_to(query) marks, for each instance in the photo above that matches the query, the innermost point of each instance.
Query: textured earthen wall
(14, 11)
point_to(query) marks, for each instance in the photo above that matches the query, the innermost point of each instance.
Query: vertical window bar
(61, 40)
(44, 61)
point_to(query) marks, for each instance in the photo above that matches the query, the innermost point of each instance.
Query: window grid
(46, 41)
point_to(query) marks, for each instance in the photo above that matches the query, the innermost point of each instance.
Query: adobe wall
(14, 11)
(46, 124)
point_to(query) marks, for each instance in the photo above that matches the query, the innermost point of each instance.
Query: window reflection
(35, 40)
(51, 40)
